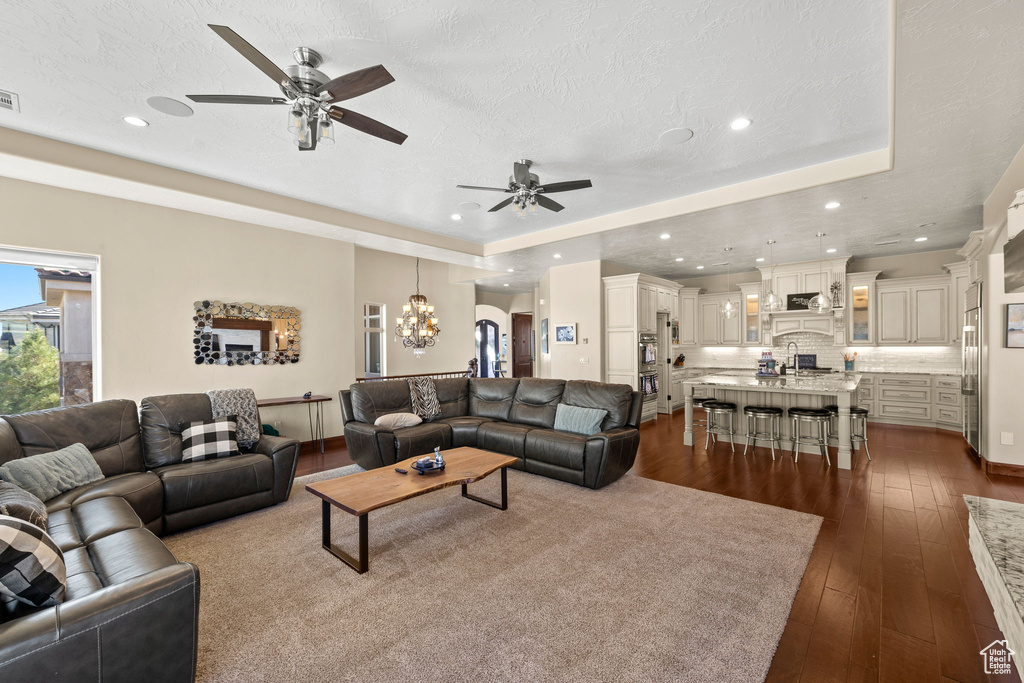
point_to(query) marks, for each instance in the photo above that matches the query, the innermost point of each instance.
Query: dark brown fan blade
(236, 99)
(566, 186)
(549, 204)
(501, 205)
(258, 59)
(357, 83)
(521, 173)
(367, 125)
(477, 187)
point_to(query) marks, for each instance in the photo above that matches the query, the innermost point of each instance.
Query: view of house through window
(373, 333)
(46, 318)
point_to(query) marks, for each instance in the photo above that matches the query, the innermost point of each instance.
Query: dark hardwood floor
(890, 592)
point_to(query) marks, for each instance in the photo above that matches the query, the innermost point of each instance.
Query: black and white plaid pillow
(32, 568)
(209, 439)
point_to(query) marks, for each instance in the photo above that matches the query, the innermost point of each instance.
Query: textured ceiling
(582, 88)
(959, 122)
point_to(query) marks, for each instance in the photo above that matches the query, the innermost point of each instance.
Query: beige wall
(389, 279)
(1002, 368)
(542, 309)
(155, 262)
(576, 297)
(907, 265)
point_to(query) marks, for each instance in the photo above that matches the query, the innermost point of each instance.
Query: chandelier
(417, 328)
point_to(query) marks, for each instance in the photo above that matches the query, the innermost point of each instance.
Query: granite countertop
(824, 384)
(860, 370)
(1001, 525)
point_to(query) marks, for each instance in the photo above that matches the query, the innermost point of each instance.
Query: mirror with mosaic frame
(245, 334)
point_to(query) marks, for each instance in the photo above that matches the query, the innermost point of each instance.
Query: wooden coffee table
(358, 494)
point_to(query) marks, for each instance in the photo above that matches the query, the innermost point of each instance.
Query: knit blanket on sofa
(242, 404)
(424, 397)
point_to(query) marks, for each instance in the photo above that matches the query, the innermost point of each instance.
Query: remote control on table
(401, 471)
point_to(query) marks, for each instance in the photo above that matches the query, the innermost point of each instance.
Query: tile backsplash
(926, 359)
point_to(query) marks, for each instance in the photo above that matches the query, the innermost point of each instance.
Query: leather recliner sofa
(131, 608)
(511, 416)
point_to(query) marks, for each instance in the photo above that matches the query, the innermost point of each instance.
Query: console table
(316, 432)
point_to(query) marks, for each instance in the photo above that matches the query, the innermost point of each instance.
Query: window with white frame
(373, 340)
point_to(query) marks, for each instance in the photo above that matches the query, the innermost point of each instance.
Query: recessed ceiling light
(679, 259)
(675, 136)
(664, 236)
(558, 256)
(833, 205)
(456, 217)
(831, 251)
(505, 285)
(135, 121)
(511, 270)
(920, 239)
(700, 267)
(740, 124)
(759, 259)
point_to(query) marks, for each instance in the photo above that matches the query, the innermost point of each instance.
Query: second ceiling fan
(527, 191)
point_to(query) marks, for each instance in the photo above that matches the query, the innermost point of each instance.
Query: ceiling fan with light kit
(527, 190)
(310, 94)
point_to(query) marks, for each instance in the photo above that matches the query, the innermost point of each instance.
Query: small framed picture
(565, 333)
(1015, 326)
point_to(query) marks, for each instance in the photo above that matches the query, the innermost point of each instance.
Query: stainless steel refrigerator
(970, 373)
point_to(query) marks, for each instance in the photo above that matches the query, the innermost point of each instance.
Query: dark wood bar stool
(774, 434)
(814, 416)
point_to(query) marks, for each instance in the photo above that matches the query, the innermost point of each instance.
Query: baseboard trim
(331, 443)
(1003, 468)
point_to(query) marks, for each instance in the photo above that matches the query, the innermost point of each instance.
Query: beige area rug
(640, 581)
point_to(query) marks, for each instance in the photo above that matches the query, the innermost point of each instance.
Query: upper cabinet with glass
(861, 314)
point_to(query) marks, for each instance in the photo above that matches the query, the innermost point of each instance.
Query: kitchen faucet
(796, 356)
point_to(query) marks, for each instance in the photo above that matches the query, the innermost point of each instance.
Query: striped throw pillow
(32, 568)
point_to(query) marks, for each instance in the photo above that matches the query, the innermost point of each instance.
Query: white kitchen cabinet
(709, 315)
(750, 313)
(913, 311)
(861, 308)
(960, 280)
(664, 300)
(648, 320)
(894, 315)
(688, 316)
(674, 316)
(716, 329)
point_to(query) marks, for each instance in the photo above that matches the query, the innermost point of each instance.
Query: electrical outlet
(277, 425)
(1006, 438)
(584, 360)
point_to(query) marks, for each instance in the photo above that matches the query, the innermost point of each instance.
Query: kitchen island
(745, 388)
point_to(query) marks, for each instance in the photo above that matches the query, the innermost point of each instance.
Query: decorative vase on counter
(849, 365)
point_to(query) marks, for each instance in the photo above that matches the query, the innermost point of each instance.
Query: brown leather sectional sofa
(511, 416)
(131, 609)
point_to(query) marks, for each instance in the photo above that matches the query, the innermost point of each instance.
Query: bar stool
(814, 416)
(699, 403)
(774, 433)
(858, 426)
(718, 410)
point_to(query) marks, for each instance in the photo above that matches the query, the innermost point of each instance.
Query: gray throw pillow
(585, 421)
(394, 421)
(17, 502)
(48, 475)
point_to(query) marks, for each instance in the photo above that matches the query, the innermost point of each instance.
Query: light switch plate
(1006, 438)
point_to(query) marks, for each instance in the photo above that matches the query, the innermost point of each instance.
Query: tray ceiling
(583, 89)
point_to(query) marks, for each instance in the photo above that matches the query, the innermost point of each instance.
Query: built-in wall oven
(649, 366)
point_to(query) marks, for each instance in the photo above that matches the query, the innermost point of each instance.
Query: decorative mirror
(245, 334)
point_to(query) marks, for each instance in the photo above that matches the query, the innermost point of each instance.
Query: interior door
(522, 345)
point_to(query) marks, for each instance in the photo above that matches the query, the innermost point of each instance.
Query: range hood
(793, 322)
